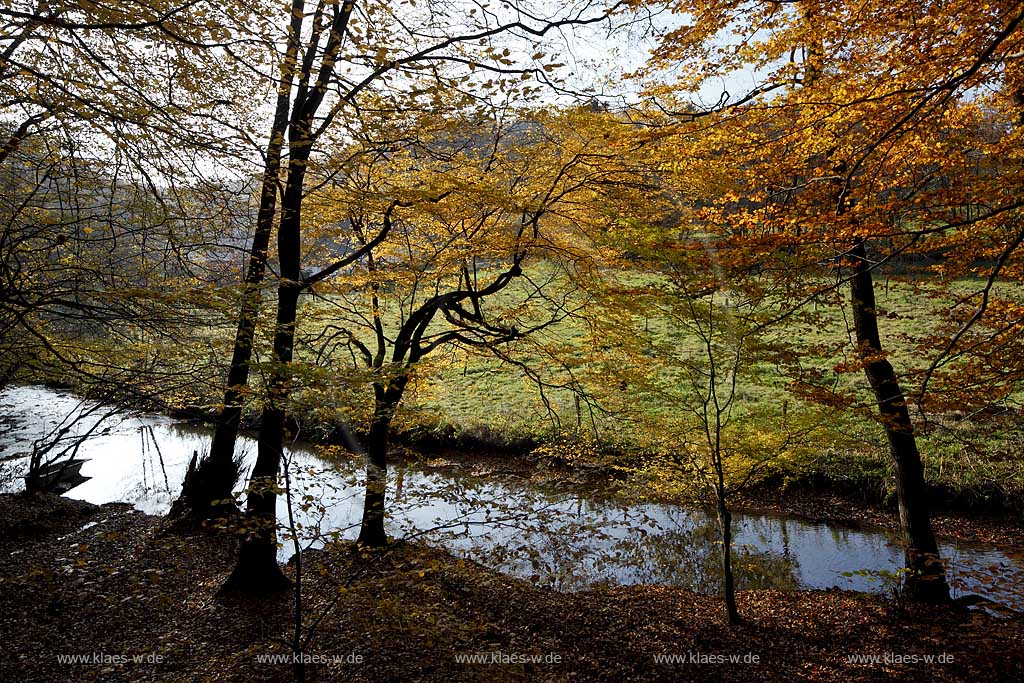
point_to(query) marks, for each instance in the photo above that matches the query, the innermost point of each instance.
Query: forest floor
(98, 593)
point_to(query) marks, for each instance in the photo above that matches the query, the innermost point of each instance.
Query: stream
(568, 540)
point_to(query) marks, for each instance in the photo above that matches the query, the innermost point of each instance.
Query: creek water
(567, 539)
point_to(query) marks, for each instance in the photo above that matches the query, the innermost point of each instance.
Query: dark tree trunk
(728, 583)
(257, 569)
(214, 477)
(371, 530)
(927, 580)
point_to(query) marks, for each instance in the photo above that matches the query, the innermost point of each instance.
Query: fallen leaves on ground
(110, 582)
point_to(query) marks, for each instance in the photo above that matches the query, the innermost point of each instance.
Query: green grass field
(972, 459)
(975, 459)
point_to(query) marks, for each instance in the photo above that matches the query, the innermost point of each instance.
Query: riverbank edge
(812, 497)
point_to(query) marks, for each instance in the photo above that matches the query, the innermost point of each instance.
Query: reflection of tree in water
(604, 544)
(686, 556)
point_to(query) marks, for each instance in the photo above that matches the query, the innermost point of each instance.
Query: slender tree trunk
(257, 569)
(386, 400)
(371, 530)
(927, 581)
(214, 477)
(728, 583)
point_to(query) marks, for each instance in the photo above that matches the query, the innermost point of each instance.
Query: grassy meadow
(630, 396)
(972, 459)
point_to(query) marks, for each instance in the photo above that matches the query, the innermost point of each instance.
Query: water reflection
(566, 540)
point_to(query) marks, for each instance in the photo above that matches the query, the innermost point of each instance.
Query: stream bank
(529, 523)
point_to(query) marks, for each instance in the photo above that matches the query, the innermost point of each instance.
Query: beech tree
(106, 255)
(336, 58)
(861, 146)
(474, 239)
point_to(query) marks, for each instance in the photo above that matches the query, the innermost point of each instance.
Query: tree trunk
(927, 580)
(257, 569)
(728, 583)
(371, 530)
(386, 400)
(215, 476)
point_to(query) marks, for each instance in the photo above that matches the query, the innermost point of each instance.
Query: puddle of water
(568, 540)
